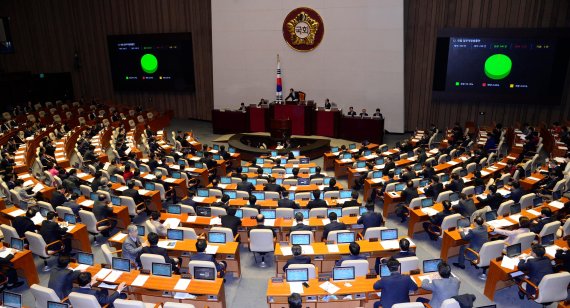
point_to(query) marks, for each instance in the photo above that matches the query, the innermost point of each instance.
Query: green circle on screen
(149, 63)
(498, 66)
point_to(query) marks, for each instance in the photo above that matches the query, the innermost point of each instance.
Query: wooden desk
(24, 264)
(341, 167)
(531, 183)
(120, 212)
(230, 121)
(417, 218)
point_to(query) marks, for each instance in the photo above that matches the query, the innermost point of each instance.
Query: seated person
(333, 225)
(354, 249)
(51, 231)
(332, 186)
(456, 183)
(494, 199)
(252, 203)
(476, 238)
(132, 246)
(244, 185)
(544, 218)
(85, 281)
(132, 192)
(7, 268)
(317, 201)
(443, 288)
(154, 220)
(463, 207)
(260, 225)
(72, 204)
(285, 202)
(271, 186)
(377, 113)
(370, 219)
(363, 113)
(395, 288)
(524, 224)
(153, 248)
(434, 188)
(564, 256)
(61, 278)
(353, 200)
(297, 257)
(435, 221)
(295, 300)
(536, 268)
(351, 112)
(317, 174)
(300, 226)
(23, 224)
(403, 253)
(200, 255)
(231, 221)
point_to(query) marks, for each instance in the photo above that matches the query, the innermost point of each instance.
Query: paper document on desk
(102, 273)
(198, 199)
(551, 250)
(361, 169)
(269, 222)
(184, 295)
(172, 222)
(107, 286)
(391, 244)
(172, 180)
(515, 217)
(182, 284)
(532, 178)
(286, 251)
(211, 249)
(307, 249)
(332, 248)
(216, 221)
(25, 176)
(377, 180)
(305, 222)
(429, 211)
(38, 187)
(5, 253)
(329, 287)
(557, 204)
(533, 212)
(166, 244)
(503, 192)
(81, 267)
(87, 203)
(150, 177)
(453, 163)
(70, 228)
(509, 263)
(38, 219)
(28, 183)
(16, 213)
(502, 163)
(326, 221)
(119, 236)
(346, 160)
(139, 281)
(296, 287)
(113, 276)
(122, 188)
(499, 223)
(371, 156)
(191, 219)
(484, 173)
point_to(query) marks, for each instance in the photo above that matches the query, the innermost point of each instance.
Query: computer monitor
(430, 266)
(239, 213)
(120, 264)
(279, 181)
(463, 222)
(556, 195)
(200, 154)
(444, 178)
(345, 237)
(140, 230)
(85, 258)
(303, 181)
(231, 193)
(204, 273)
(463, 172)
(400, 186)
(547, 240)
(175, 234)
(515, 209)
(244, 169)
(217, 237)
(388, 234)
(304, 160)
(334, 149)
(291, 196)
(345, 194)
(162, 269)
(113, 178)
(70, 218)
(305, 212)
(267, 170)
(326, 180)
(454, 197)
(384, 148)
(252, 181)
(149, 186)
(499, 184)
(51, 304)
(385, 271)
(94, 196)
(77, 191)
(259, 195)
(174, 209)
(479, 189)
(478, 167)
(336, 210)
(181, 162)
(296, 153)
(259, 161)
(216, 147)
(116, 200)
(17, 243)
(297, 274)
(537, 201)
(417, 167)
(283, 161)
(231, 150)
(424, 182)
(514, 250)
(202, 192)
(11, 300)
(300, 239)
(352, 146)
(491, 215)
(225, 180)
(268, 213)
(289, 170)
(397, 171)
(361, 164)
(377, 174)
(343, 273)
(216, 157)
(346, 156)
(274, 154)
(312, 169)
(366, 152)
(528, 173)
(427, 202)
(44, 211)
(199, 165)
(379, 161)
(176, 175)
(362, 210)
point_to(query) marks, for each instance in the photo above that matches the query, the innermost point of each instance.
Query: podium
(280, 128)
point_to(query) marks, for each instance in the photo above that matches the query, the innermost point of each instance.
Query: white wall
(360, 61)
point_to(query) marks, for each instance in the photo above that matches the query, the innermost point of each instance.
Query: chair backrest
(450, 221)
(549, 228)
(37, 244)
(450, 303)
(240, 194)
(177, 305)
(218, 211)
(148, 258)
(43, 295)
(489, 251)
(373, 232)
(318, 212)
(310, 267)
(284, 212)
(62, 210)
(471, 167)
(188, 233)
(249, 211)
(310, 233)
(443, 196)
(271, 195)
(566, 228)
(525, 239)
(9, 232)
(526, 200)
(125, 303)
(149, 227)
(89, 220)
(227, 231)
(107, 253)
(409, 264)
(215, 192)
(85, 190)
(553, 287)
(361, 267)
(261, 240)
(331, 194)
(505, 207)
(83, 300)
(391, 187)
(197, 263)
(303, 195)
(351, 210)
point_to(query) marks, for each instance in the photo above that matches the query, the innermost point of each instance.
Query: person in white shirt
(524, 224)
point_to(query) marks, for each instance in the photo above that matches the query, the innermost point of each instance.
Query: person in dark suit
(354, 249)
(351, 112)
(58, 197)
(456, 183)
(370, 219)
(85, 280)
(72, 204)
(252, 201)
(231, 221)
(353, 201)
(244, 185)
(494, 199)
(51, 232)
(328, 104)
(332, 186)
(389, 164)
(132, 192)
(409, 193)
(297, 257)
(408, 175)
(317, 201)
(435, 221)
(97, 181)
(103, 210)
(23, 224)
(403, 253)
(61, 278)
(466, 207)
(317, 174)
(260, 225)
(285, 202)
(223, 203)
(395, 288)
(152, 239)
(333, 225)
(300, 226)
(271, 186)
(564, 256)
(517, 192)
(200, 255)
(544, 218)
(477, 179)
(536, 268)
(434, 188)
(476, 238)
(293, 95)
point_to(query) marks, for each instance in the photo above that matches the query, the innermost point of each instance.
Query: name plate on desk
(277, 279)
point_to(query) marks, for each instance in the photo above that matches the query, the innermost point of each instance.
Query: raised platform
(248, 145)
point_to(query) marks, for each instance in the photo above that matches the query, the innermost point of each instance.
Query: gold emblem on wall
(303, 29)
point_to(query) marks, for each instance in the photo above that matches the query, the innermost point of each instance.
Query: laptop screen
(289, 170)
(217, 237)
(268, 214)
(376, 174)
(300, 239)
(17, 243)
(304, 160)
(162, 269)
(216, 147)
(343, 273)
(259, 195)
(427, 202)
(400, 186)
(515, 208)
(326, 180)
(174, 209)
(231, 193)
(462, 172)
(547, 240)
(336, 210)
(199, 165)
(385, 271)
(345, 194)
(297, 274)
(259, 161)
(11, 300)
(181, 162)
(44, 211)
(362, 210)
(203, 211)
(346, 156)
(175, 234)
(491, 215)
(252, 181)
(499, 184)
(345, 237)
(279, 181)
(479, 189)
(444, 177)
(216, 157)
(94, 196)
(379, 161)
(361, 164)
(85, 258)
(149, 186)
(113, 178)
(202, 192)
(267, 170)
(274, 154)
(514, 250)
(116, 200)
(536, 201)
(121, 264)
(225, 180)
(231, 150)
(463, 223)
(70, 218)
(352, 146)
(140, 230)
(388, 234)
(296, 153)
(313, 170)
(334, 149)
(417, 167)
(51, 304)
(398, 171)
(303, 181)
(424, 183)
(305, 212)
(176, 175)
(430, 266)
(204, 273)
